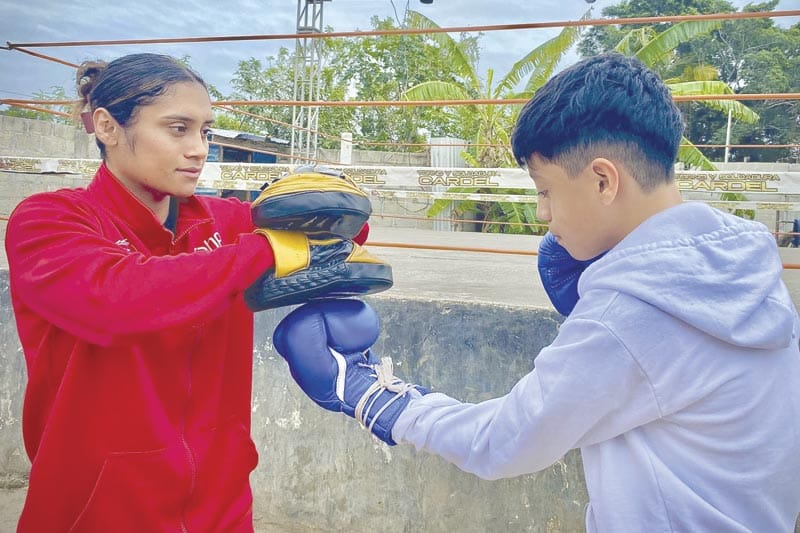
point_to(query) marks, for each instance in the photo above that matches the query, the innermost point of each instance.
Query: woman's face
(163, 149)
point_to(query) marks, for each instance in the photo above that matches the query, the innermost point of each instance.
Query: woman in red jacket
(128, 302)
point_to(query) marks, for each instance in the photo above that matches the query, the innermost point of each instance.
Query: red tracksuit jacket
(139, 357)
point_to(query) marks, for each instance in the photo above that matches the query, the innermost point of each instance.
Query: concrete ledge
(321, 471)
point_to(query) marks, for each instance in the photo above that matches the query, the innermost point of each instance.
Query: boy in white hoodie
(677, 373)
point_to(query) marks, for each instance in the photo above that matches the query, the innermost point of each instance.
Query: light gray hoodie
(677, 375)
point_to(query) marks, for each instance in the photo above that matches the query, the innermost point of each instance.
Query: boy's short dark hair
(609, 106)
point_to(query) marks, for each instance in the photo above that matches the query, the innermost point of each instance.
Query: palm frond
(665, 42)
(634, 40)
(460, 61)
(689, 155)
(738, 110)
(541, 61)
(436, 90)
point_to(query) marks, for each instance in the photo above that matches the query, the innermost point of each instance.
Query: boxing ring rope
(417, 31)
(23, 47)
(227, 105)
(428, 103)
(26, 104)
(443, 248)
(249, 176)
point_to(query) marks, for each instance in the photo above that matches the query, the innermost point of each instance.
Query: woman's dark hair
(609, 106)
(127, 83)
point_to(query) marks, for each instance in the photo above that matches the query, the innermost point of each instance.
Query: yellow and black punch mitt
(306, 269)
(318, 201)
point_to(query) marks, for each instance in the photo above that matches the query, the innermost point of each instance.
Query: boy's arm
(585, 389)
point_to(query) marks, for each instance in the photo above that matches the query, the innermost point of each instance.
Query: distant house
(232, 146)
(241, 147)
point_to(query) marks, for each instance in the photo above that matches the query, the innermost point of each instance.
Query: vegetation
(54, 93)
(698, 57)
(748, 56)
(492, 124)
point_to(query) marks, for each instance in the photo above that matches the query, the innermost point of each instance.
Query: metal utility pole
(307, 73)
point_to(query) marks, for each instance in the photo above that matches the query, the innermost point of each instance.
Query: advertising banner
(249, 176)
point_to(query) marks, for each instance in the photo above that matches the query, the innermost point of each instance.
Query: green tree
(599, 39)
(659, 51)
(748, 55)
(752, 56)
(383, 68)
(488, 126)
(54, 93)
(359, 68)
(256, 80)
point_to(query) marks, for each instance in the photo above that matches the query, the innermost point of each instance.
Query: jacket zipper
(189, 455)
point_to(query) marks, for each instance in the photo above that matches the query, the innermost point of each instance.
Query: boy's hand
(560, 273)
(328, 347)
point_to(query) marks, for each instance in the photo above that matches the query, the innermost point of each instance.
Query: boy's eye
(541, 194)
(179, 128)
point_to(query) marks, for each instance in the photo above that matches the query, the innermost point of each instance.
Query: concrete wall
(369, 158)
(23, 137)
(320, 471)
(20, 137)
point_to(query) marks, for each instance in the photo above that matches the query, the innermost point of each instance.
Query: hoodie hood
(717, 272)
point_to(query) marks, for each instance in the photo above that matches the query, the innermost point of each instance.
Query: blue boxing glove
(560, 273)
(327, 345)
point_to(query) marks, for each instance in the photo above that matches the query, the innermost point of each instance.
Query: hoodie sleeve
(65, 270)
(585, 388)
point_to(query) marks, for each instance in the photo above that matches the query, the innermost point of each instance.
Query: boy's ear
(106, 128)
(607, 178)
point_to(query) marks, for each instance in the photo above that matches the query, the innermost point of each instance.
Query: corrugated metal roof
(243, 135)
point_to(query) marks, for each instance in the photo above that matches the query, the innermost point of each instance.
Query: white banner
(249, 176)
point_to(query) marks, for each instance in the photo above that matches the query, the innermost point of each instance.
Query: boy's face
(164, 149)
(573, 206)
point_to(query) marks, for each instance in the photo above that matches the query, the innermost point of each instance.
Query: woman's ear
(106, 128)
(607, 178)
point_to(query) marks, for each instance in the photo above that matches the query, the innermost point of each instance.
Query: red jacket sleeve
(63, 268)
(362, 236)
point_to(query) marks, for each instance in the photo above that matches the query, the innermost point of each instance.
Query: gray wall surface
(320, 471)
(23, 137)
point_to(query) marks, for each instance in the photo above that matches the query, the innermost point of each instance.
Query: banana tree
(656, 51)
(491, 124)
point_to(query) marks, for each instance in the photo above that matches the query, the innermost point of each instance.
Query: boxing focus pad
(560, 273)
(315, 200)
(327, 345)
(307, 269)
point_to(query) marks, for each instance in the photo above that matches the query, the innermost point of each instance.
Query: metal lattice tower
(307, 72)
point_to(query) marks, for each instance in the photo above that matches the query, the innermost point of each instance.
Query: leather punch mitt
(318, 201)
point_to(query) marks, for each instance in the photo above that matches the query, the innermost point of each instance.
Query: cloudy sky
(31, 21)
